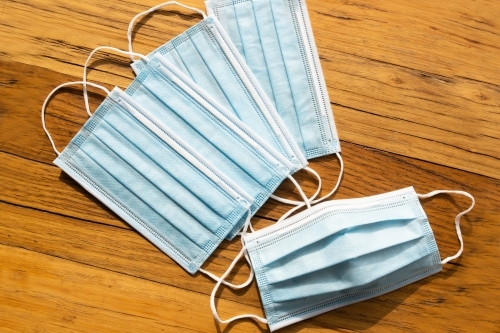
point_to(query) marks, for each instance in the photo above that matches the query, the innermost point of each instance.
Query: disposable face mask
(275, 39)
(205, 54)
(153, 179)
(211, 131)
(341, 252)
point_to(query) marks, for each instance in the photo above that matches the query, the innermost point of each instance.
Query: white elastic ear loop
(109, 48)
(214, 291)
(44, 106)
(152, 9)
(300, 204)
(293, 202)
(457, 219)
(291, 211)
(250, 278)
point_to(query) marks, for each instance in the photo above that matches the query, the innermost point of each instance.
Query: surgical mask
(341, 252)
(205, 54)
(275, 39)
(153, 179)
(212, 131)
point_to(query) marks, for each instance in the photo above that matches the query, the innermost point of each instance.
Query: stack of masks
(214, 121)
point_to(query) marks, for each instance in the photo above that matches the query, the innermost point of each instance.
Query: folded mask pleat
(385, 282)
(197, 141)
(242, 28)
(155, 170)
(212, 130)
(176, 166)
(102, 150)
(189, 51)
(305, 103)
(345, 245)
(203, 60)
(276, 69)
(351, 273)
(172, 55)
(127, 198)
(119, 190)
(272, 37)
(332, 224)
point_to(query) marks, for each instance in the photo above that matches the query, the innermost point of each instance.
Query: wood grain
(416, 95)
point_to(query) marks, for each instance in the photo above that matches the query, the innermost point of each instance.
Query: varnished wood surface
(415, 88)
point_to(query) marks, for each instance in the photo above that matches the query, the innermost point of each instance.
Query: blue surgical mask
(205, 54)
(154, 180)
(275, 39)
(341, 252)
(227, 143)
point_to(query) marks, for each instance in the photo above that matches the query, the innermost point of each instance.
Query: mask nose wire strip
(109, 48)
(293, 202)
(291, 211)
(250, 278)
(150, 10)
(301, 204)
(457, 218)
(44, 106)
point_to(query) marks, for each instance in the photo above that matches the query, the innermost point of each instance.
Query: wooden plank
(113, 249)
(415, 78)
(41, 293)
(37, 185)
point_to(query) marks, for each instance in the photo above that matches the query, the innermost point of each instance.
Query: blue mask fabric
(341, 252)
(206, 55)
(275, 39)
(153, 179)
(234, 149)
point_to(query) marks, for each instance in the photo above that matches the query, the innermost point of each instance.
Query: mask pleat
(237, 98)
(299, 77)
(206, 146)
(147, 191)
(347, 244)
(331, 225)
(251, 47)
(230, 17)
(155, 169)
(210, 128)
(127, 198)
(198, 69)
(385, 282)
(279, 78)
(352, 273)
(172, 55)
(175, 165)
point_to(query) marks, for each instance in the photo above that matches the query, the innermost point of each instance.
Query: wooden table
(415, 88)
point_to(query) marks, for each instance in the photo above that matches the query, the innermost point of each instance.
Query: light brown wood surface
(415, 88)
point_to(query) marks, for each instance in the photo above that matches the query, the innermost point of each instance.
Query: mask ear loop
(457, 218)
(300, 204)
(250, 278)
(150, 10)
(307, 201)
(291, 211)
(222, 280)
(109, 48)
(44, 106)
